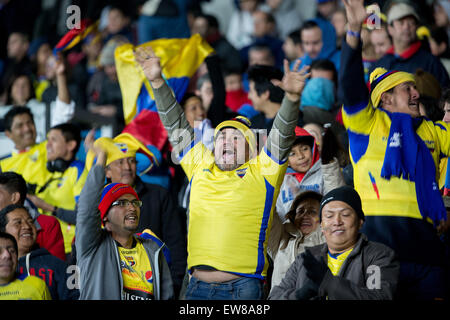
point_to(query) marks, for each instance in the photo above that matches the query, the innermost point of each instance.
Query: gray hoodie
(98, 255)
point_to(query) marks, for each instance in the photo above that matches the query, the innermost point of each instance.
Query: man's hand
(150, 64)
(356, 14)
(294, 81)
(444, 225)
(100, 154)
(89, 140)
(315, 269)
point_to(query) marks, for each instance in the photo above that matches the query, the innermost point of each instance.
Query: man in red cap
(116, 264)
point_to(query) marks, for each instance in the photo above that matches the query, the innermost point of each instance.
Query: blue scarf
(408, 157)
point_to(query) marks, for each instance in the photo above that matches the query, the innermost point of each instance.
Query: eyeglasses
(124, 202)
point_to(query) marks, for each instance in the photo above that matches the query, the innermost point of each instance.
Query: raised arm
(216, 111)
(169, 110)
(88, 231)
(351, 76)
(282, 135)
(64, 105)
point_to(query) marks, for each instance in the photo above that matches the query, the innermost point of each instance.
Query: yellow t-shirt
(28, 288)
(335, 262)
(63, 191)
(230, 212)
(137, 273)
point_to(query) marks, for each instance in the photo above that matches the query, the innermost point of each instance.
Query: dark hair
(445, 97)
(122, 8)
(186, 97)
(13, 112)
(299, 199)
(432, 109)
(295, 36)
(11, 83)
(261, 76)
(14, 182)
(310, 24)
(212, 20)
(262, 47)
(200, 81)
(325, 65)
(4, 212)
(4, 235)
(70, 131)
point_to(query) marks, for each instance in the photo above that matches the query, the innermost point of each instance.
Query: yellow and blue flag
(180, 59)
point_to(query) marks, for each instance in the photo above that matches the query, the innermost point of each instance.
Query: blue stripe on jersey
(273, 157)
(186, 150)
(80, 167)
(270, 190)
(358, 144)
(356, 108)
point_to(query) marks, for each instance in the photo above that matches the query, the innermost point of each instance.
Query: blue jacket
(329, 50)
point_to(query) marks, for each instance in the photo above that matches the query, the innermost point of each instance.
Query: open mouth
(131, 218)
(338, 232)
(26, 235)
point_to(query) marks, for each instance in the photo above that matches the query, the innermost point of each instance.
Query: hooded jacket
(319, 177)
(370, 272)
(329, 50)
(52, 270)
(98, 255)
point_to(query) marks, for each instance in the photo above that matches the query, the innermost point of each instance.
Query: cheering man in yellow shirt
(233, 189)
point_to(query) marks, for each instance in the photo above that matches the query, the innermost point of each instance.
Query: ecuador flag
(74, 36)
(180, 59)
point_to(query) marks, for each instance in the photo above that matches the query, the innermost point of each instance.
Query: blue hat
(318, 92)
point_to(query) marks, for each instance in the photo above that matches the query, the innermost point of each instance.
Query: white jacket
(283, 258)
(320, 178)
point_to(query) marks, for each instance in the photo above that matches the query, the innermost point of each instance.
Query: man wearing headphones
(60, 184)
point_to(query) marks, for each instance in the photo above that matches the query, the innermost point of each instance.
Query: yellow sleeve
(193, 157)
(359, 118)
(443, 136)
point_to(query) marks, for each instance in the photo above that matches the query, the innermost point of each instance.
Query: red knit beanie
(111, 192)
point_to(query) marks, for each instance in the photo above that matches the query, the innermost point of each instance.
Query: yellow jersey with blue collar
(62, 189)
(230, 212)
(368, 132)
(25, 288)
(335, 261)
(137, 273)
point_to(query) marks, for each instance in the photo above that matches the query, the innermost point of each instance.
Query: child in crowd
(236, 98)
(307, 172)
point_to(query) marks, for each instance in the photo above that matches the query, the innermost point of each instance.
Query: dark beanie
(345, 194)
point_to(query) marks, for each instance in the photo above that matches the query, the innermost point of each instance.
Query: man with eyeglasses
(115, 263)
(159, 212)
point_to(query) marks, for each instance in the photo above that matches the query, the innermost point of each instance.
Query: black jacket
(56, 273)
(370, 272)
(161, 215)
